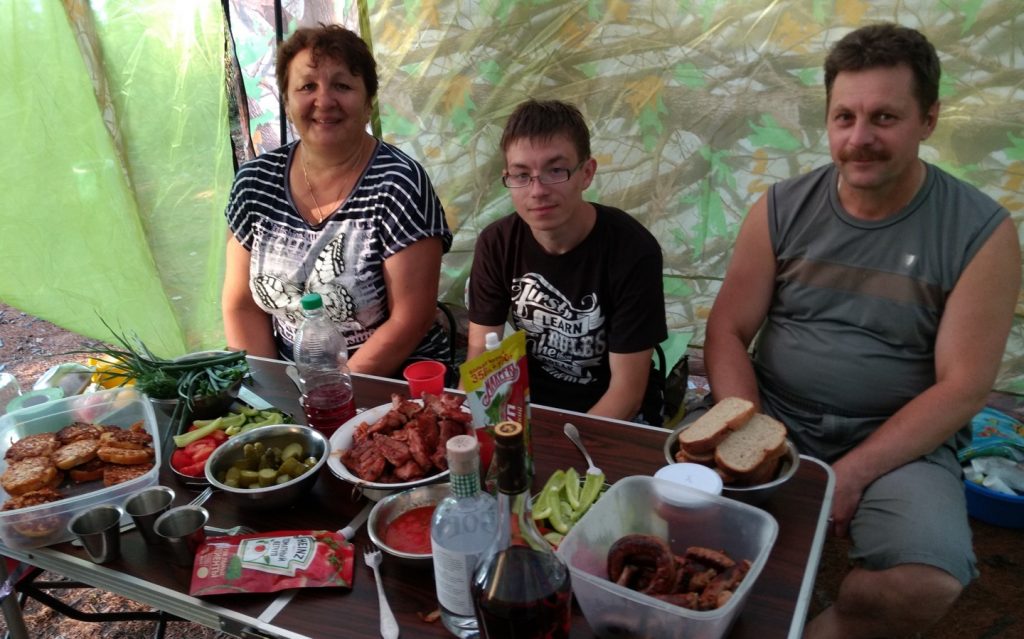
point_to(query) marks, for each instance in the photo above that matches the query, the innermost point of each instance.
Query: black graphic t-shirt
(604, 296)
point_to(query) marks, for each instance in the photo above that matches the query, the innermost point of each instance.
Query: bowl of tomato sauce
(399, 524)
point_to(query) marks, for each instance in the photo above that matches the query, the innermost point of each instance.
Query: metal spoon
(574, 436)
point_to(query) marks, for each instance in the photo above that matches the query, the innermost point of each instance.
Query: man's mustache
(863, 155)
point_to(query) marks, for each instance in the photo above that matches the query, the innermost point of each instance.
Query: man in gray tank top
(881, 290)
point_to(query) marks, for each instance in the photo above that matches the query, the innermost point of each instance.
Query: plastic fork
(388, 624)
(573, 434)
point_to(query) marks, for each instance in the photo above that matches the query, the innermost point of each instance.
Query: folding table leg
(12, 610)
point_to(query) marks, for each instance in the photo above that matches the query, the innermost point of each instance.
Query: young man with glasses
(582, 279)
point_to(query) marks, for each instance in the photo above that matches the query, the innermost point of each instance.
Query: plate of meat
(400, 445)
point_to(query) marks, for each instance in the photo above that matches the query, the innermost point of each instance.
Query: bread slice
(743, 452)
(705, 459)
(712, 427)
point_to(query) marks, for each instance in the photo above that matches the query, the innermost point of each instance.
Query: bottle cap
(491, 341)
(311, 301)
(508, 431)
(463, 454)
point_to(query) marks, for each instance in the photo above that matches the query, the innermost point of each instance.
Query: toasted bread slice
(117, 473)
(89, 471)
(29, 474)
(712, 427)
(745, 450)
(706, 459)
(76, 453)
(766, 472)
(38, 445)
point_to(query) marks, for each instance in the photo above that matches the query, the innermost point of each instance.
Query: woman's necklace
(305, 176)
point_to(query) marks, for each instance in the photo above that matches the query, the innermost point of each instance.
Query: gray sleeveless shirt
(857, 305)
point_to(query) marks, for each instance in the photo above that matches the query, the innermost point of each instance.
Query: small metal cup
(183, 528)
(99, 528)
(146, 506)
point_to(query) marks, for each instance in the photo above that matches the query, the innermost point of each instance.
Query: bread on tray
(744, 447)
(703, 435)
(752, 447)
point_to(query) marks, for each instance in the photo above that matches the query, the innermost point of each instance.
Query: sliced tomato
(201, 454)
(218, 436)
(198, 445)
(180, 459)
(194, 470)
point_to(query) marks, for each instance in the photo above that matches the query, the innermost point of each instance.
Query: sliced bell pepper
(592, 486)
(572, 487)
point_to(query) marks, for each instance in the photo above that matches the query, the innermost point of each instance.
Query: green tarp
(118, 164)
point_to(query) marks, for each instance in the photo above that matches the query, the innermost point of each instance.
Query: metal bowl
(389, 508)
(752, 495)
(280, 435)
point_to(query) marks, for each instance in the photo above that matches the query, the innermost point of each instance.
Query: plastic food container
(994, 508)
(682, 516)
(47, 523)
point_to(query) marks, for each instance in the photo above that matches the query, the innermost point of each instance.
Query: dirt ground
(988, 609)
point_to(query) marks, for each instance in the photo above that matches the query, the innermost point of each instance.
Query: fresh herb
(187, 378)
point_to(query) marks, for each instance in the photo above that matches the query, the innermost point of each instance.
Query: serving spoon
(574, 436)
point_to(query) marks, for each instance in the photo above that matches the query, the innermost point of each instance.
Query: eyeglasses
(547, 176)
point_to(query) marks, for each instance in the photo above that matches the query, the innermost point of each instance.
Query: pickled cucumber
(262, 466)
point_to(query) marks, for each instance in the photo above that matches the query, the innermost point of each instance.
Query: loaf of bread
(747, 452)
(703, 435)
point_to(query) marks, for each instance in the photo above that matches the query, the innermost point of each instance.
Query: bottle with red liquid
(521, 589)
(321, 357)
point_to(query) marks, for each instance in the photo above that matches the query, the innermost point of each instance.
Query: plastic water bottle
(321, 357)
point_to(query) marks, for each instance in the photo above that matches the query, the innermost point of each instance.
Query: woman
(337, 212)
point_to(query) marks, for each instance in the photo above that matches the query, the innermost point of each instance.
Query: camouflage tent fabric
(696, 107)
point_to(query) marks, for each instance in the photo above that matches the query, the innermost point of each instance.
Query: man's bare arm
(740, 308)
(968, 350)
(478, 336)
(627, 387)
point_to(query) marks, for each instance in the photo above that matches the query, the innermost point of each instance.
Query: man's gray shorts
(914, 514)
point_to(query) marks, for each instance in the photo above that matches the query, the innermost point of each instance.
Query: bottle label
(453, 574)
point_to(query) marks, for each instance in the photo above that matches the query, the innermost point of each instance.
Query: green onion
(162, 378)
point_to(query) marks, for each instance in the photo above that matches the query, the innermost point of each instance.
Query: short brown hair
(337, 43)
(887, 45)
(543, 120)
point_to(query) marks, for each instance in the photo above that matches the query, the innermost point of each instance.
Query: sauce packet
(498, 389)
(272, 561)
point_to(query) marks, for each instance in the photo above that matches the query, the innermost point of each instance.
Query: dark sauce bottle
(521, 589)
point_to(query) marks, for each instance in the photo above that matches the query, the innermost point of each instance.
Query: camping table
(776, 607)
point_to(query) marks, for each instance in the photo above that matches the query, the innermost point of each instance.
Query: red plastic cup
(425, 377)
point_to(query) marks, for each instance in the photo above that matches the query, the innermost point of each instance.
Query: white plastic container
(46, 524)
(682, 516)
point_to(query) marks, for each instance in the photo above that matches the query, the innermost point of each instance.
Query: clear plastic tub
(47, 523)
(682, 516)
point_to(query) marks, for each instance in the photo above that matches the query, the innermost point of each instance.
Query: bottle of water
(462, 528)
(321, 357)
